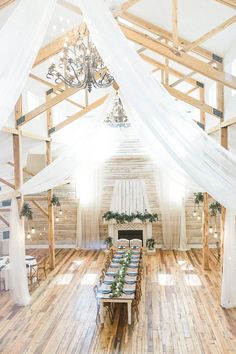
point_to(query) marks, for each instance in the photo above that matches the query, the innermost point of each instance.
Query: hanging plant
(198, 198)
(123, 217)
(215, 208)
(55, 200)
(26, 211)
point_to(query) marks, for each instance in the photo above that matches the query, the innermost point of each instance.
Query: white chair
(135, 243)
(122, 242)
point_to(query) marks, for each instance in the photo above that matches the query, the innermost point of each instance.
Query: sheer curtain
(20, 40)
(17, 268)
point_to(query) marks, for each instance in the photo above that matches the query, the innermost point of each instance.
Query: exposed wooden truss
(231, 3)
(4, 3)
(11, 185)
(175, 23)
(4, 221)
(40, 208)
(181, 58)
(209, 34)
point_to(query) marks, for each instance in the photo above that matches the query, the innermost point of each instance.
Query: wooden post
(202, 100)
(224, 143)
(51, 228)
(18, 173)
(205, 231)
(166, 68)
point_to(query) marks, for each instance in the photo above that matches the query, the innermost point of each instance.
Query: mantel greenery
(26, 212)
(123, 217)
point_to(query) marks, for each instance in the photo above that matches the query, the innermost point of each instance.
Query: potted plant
(108, 242)
(150, 244)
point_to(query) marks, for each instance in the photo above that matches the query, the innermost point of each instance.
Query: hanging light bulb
(28, 235)
(57, 218)
(215, 234)
(32, 230)
(210, 229)
(199, 217)
(60, 212)
(194, 213)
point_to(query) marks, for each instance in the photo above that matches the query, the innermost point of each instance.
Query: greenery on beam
(198, 198)
(123, 217)
(55, 201)
(26, 212)
(215, 208)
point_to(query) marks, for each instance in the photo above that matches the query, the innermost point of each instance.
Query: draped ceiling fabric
(129, 196)
(20, 39)
(158, 118)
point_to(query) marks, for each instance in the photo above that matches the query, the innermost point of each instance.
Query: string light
(28, 236)
(199, 217)
(60, 212)
(215, 234)
(210, 229)
(194, 213)
(32, 230)
(57, 218)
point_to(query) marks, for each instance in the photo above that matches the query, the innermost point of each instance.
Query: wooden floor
(179, 313)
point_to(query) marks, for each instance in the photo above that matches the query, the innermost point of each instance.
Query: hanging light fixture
(194, 213)
(80, 65)
(199, 217)
(57, 218)
(215, 234)
(60, 212)
(117, 117)
(28, 235)
(210, 229)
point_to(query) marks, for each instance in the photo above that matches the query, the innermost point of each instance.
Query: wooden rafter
(4, 221)
(79, 114)
(24, 169)
(148, 26)
(40, 208)
(24, 133)
(56, 89)
(231, 3)
(209, 34)
(182, 58)
(11, 185)
(175, 23)
(4, 3)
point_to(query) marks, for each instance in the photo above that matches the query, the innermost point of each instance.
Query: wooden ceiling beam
(209, 34)
(175, 23)
(4, 221)
(230, 3)
(56, 89)
(181, 58)
(40, 207)
(4, 3)
(7, 183)
(77, 115)
(148, 26)
(24, 169)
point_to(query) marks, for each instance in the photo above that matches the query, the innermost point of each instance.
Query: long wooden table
(131, 276)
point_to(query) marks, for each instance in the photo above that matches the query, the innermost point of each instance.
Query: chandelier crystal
(80, 65)
(117, 117)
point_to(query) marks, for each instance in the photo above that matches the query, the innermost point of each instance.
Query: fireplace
(130, 230)
(131, 234)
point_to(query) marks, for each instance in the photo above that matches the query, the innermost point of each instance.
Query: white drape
(20, 40)
(129, 196)
(17, 267)
(228, 293)
(158, 117)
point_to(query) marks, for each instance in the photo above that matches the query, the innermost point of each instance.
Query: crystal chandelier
(117, 117)
(80, 65)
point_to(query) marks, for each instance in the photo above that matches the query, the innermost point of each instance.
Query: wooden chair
(107, 306)
(122, 242)
(43, 266)
(135, 243)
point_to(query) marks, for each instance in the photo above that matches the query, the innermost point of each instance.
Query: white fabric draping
(17, 268)
(172, 211)
(89, 208)
(158, 117)
(228, 293)
(20, 40)
(129, 196)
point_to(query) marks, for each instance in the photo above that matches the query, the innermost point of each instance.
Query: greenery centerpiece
(121, 218)
(119, 281)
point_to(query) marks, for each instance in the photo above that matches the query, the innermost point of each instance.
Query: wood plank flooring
(179, 312)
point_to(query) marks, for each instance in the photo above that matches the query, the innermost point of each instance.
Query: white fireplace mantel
(146, 227)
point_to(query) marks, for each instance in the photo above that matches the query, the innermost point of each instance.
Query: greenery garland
(123, 217)
(119, 281)
(26, 211)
